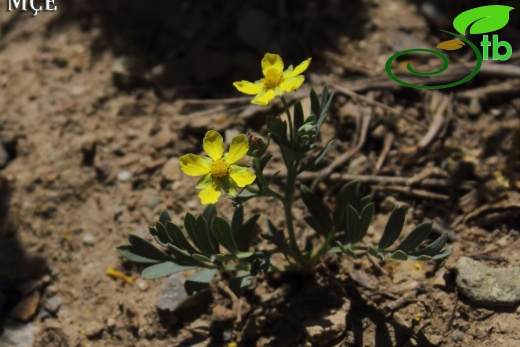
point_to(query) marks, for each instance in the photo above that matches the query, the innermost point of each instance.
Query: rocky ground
(99, 99)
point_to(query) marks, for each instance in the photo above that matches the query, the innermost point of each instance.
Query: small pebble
(111, 322)
(88, 239)
(124, 175)
(162, 138)
(143, 285)
(26, 308)
(94, 330)
(439, 281)
(171, 170)
(153, 202)
(53, 304)
(51, 290)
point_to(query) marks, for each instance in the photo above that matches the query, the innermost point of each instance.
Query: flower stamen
(272, 78)
(219, 169)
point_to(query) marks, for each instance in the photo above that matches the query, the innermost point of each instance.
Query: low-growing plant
(212, 243)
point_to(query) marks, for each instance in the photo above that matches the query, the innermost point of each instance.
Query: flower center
(219, 169)
(272, 78)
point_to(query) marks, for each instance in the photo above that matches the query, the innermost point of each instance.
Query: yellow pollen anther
(219, 169)
(272, 78)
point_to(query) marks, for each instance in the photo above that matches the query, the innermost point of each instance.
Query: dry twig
(373, 102)
(421, 193)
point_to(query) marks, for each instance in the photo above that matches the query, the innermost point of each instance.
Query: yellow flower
(219, 170)
(275, 81)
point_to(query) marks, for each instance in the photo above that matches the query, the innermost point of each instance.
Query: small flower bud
(257, 145)
(307, 134)
(308, 129)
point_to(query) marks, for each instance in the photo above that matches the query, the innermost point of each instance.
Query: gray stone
(153, 202)
(487, 286)
(18, 334)
(53, 304)
(172, 293)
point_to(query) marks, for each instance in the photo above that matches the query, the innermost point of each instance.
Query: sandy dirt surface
(99, 99)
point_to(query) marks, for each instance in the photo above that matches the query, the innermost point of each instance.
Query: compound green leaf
(179, 240)
(416, 237)
(128, 252)
(146, 249)
(239, 284)
(164, 269)
(347, 196)
(298, 115)
(364, 223)
(353, 223)
(164, 217)
(393, 227)
(201, 258)
(433, 248)
(199, 281)
(318, 210)
(223, 234)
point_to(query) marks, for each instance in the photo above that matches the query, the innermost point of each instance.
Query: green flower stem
(323, 249)
(336, 249)
(287, 204)
(289, 117)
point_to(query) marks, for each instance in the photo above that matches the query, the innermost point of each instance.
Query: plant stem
(287, 204)
(289, 118)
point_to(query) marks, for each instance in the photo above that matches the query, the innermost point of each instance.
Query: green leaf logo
(484, 19)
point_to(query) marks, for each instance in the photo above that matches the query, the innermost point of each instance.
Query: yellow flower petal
(193, 165)
(204, 182)
(229, 186)
(247, 87)
(241, 175)
(278, 91)
(264, 97)
(210, 194)
(290, 84)
(297, 70)
(238, 149)
(213, 145)
(272, 61)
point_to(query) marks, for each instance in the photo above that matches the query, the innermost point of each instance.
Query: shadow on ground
(202, 45)
(16, 267)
